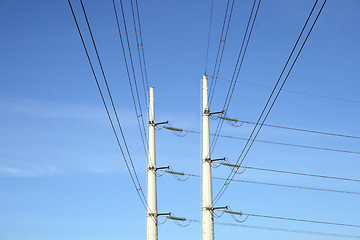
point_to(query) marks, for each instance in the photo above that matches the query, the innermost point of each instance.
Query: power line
(137, 108)
(302, 130)
(138, 45)
(302, 220)
(142, 44)
(268, 184)
(237, 69)
(276, 229)
(282, 229)
(231, 175)
(208, 41)
(281, 143)
(291, 91)
(301, 174)
(108, 90)
(223, 39)
(286, 230)
(135, 181)
(132, 66)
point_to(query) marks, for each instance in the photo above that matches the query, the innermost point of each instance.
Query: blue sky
(61, 172)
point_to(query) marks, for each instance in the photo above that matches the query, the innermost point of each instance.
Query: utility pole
(207, 201)
(151, 215)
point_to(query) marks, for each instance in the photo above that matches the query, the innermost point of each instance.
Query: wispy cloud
(22, 169)
(60, 110)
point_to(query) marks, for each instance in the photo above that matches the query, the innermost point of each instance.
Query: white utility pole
(151, 215)
(207, 201)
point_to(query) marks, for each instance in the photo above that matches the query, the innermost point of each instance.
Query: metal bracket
(214, 160)
(160, 123)
(162, 168)
(223, 111)
(216, 208)
(206, 112)
(164, 214)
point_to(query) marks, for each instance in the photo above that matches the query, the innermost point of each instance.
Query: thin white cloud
(27, 170)
(60, 110)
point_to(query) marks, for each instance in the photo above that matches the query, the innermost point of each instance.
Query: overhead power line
(302, 220)
(176, 174)
(109, 93)
(209, 34)
(287, 230)
(281, 143)
(291, 91)
(221, 47)
(301, 130)
(132, 172)
(237, 70)
(139, 45)
(134, 93)
(266, 111)
(301, 174)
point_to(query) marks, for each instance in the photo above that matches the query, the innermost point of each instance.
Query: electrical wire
(301, 130)
(108, 90)
(287, 172)
(236, 73)
(139, 44)
(134, 178)
(223, 39)
(283, 230)
(291, 91)
(276, 184)
(231, 175)
(303, 220)
(138, 111)
(209, 34)
(281, 143)
(142, 44)
(301, 174)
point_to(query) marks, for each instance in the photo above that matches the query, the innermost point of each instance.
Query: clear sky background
(61, 172)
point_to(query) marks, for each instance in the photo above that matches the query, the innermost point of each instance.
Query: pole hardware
(164, 214)
(159, 168)
(229, 119)
(217, 208)
(215, 160)
(175, 173)
(160, 123)
(176, 218)
(231, 165)
(174, 129)
(223, 111)
(151, 168)
(232, 212)
(207, 112)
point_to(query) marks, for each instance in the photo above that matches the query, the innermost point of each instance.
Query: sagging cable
(179, 221)
(234, 214)
(177, 174)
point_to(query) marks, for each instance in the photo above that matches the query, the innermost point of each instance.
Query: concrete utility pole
(151, 215)
(207, 201)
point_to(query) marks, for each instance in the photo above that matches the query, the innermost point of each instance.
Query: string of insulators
(231, 212)
(230, 165)
(176, 173)
(229, 119)
(174, 129)
(177, 218)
